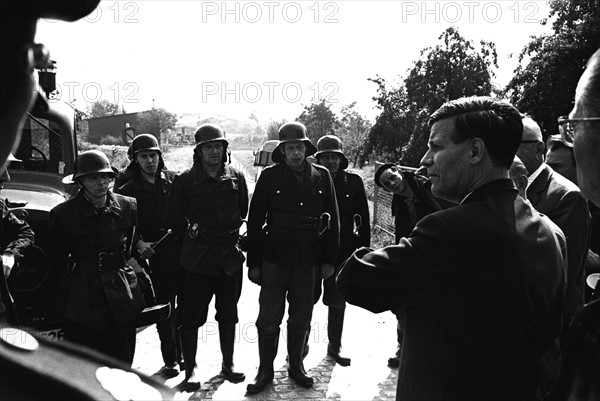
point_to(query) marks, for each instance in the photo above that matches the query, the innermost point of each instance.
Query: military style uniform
(290, 250)
(164, 267)
(15, 236)
(354, 231)
(213, 209)
(99, 296)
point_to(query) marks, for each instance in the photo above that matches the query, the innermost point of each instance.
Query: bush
(117, 155)
(110, 140)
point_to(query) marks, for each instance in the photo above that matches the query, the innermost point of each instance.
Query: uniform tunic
(165, 270)
(99, 293)
(352, 201)
(290, 249)
(207, 212)
(15, 236)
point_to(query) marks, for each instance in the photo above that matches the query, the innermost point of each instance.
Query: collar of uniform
(341, 177)
(201, 175)
(88, 209)
(502, 184)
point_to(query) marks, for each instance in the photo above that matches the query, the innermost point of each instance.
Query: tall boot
(394, 361)
(227, 339)
(189, 346)
(295, 345)
(268, 341)
(335, 325)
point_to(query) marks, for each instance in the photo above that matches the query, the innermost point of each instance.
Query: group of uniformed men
(184, 230)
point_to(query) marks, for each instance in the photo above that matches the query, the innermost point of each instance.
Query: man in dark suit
(558, 198)
(482, 282)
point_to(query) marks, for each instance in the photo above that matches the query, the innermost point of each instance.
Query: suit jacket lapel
(538, 187)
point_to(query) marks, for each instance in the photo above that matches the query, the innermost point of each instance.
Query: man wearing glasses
(582, 130)
(559, 199)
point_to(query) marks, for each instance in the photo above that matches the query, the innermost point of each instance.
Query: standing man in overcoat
(355, 231)
(89, 242)
(560, 199)
(293, 240)
(207, 206)
(482, 283)
(150, 186)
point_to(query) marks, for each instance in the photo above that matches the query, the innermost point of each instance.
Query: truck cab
(45, 154)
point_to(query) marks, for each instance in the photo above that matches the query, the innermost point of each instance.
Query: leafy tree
(155, 121)
(273, 129)
(319, 119)
(103, 108)
(454, 68)
(353, 130)
(389, 133)
(451, 70)
(545, 86)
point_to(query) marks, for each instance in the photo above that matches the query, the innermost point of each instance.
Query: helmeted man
(293, 240)
(150, 186)
(355, 231)
(482, 282)
(90, 239)
(53, 370)
(207, 205)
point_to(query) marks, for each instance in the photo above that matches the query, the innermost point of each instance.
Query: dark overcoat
(278, 193)
(82, 242)
(559, 199)
(482, 284)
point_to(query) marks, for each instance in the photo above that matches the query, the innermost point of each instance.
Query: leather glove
(255, 275)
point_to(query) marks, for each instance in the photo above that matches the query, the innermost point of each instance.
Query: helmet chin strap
(97, 201)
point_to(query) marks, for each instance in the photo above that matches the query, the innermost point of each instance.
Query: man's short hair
(496, 122)
(589, 92)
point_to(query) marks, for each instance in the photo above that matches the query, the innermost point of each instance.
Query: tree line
(543, 86)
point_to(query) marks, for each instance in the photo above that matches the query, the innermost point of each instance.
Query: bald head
(531, 130)
(531, 150)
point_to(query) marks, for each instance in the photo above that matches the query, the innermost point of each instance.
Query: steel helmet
(331, 144)
(292, 132)
(92, 162)
(209, 133)
(144, 142)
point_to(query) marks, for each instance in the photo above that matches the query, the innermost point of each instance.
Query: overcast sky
(267, 57)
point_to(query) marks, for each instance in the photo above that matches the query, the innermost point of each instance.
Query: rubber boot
(335, 325)
(267, 350)
(227, 339)
(189, 346)
(296, 345)
(394, 361)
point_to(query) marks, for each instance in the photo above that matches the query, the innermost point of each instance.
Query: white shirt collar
(535, 174)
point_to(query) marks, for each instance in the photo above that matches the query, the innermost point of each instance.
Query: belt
(111, 261)
(299, 221)
(213, 236)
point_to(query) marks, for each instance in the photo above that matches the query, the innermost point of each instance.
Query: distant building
(100, 127)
